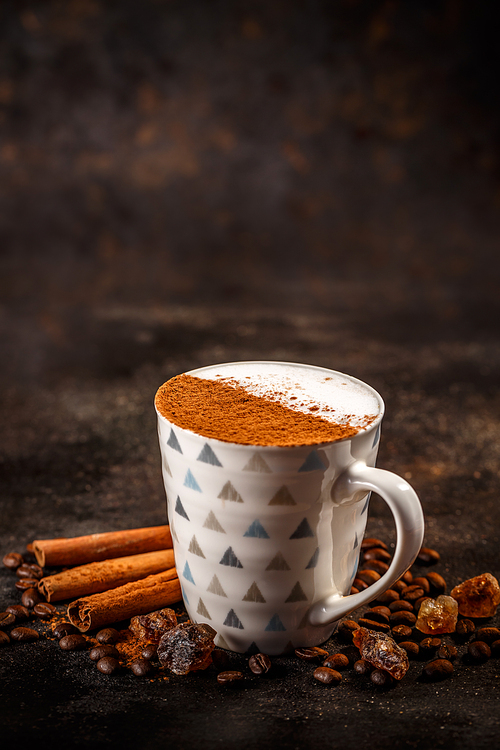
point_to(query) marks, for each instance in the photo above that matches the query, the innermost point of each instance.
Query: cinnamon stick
(94, 547)
(102, 576)
(137, 598)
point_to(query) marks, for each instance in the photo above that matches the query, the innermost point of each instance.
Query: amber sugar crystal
(478, 597)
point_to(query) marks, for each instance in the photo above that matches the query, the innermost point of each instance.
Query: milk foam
(333, 396)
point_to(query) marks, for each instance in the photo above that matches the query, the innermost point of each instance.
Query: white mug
(267, 538)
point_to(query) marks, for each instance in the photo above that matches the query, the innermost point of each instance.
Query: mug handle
(405, 506)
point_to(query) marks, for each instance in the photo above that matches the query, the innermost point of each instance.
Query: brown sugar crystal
(228, 412)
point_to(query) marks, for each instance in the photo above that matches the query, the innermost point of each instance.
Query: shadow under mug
(267, 538)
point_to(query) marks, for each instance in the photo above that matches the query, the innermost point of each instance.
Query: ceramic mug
(267, 538)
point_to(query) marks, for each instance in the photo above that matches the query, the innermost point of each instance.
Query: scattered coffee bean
(379, 627)
(403, 618)
(495, 648)
(64, 628)
(465, 627)
(437, 583)
(488, 635)
(225, 678)
(336, 661)
(359, 584)
(6, 619)
(401, 632)
(73, 642)
(430, 644)
(311, 653)
(437, 670)
(378, 615)
(362, 666)
(354, 590)
(31, 597)
(388, 596)
(108, 665)
(380, 678)
(105, 649)
(447, 651)
(401, 606)
(371, 542)
(140, 667)
(478, 650)
(379, 566)
(44, 610)
(4, 638)
(20, 613)
(407, 577)
(24, 635)
(427, 556)
(26, 583)
(411, 648)
(400, 586)
(346, 629)
(29, 571)
(327, 676)
(13, 560)
(412, 593)
(423, 583)
(149, 651)
(377, 553)
(108, 635)
(259, 663)
(368, 576)
(380, 610)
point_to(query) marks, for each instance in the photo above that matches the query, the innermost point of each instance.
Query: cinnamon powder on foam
(226, 411)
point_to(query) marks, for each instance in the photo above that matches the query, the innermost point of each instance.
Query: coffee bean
(225, 678)
(336, 661)
(108, 665)
(259, 663)
(380, 610)
(437, 670)
(495, 648)
(346, 629)
(31, 597)
(20, 613)
(447, 651)
(430, 644)
(64, 628)
(388, 596)
(13, 560)
(149, 651)
(399, 586)
(24, 635)
(401, 606)
(311, 653)
(327, 676)
(4, 638)
(105, 649)
(376, 615)
(380, 678)
(465, 627)
(488, 635)
(437, 583)
(478, 650)
(44, 610)
(379, 627)
(403, 618)
(359, 584)
(379, 566)
(371, 542)
(412, 593)
(368, 576)
(29, 571)
(401, 632)
(362, 666)
(427, 556)
(6, 619)
(108, 635)
(26, 583)
(73, 642)
(411, 648)
(353, 590)
(377, 553)
(140, 667)
(423, 583)
(407, 577)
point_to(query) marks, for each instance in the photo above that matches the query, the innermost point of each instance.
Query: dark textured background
(189, 182)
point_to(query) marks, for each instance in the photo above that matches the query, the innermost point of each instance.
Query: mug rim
(363, 431)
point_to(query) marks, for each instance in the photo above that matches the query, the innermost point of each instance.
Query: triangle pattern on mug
(365, 506)
(252, 649)
(208, 456)
(303, 530)
(256, 530)
(212, 523)
(187, 573)
(229, 558)
(275, 624)
(232, 620)
(282, 497)
(254, 594)
(257, 463)
(229, 493)
(314, 559)
(221, 643)
(179, 508)
(195, 548)
(313, 463)
(191, 482)
(356, 540)
(215, 588)
(278, 563)
(202, 610)
(166, 466)
(173, 442)
(184, 595)
(297, 594)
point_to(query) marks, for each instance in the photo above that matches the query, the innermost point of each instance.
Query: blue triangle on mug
(377, 435)
(184, 595)
(275, 624)
(356, 540)
(179, 508)
(191, 482)
(257, 530)
(303, 530)
(232, 620)
(187, 573)
(314, 559)
(313, 463)
(208, 456)
(173, 442)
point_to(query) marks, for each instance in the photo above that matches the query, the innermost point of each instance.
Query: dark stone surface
(187, 183)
